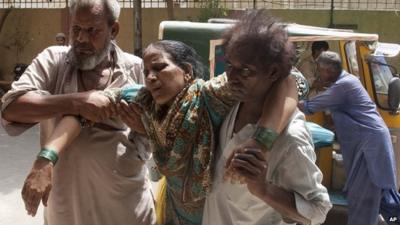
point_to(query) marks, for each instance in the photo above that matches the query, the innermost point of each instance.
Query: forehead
(153, 54)
(237, 62)
(95, 15)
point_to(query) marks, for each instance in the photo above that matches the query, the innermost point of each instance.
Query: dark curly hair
(259, 39)
(181, 54)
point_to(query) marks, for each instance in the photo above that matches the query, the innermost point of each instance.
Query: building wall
(34, 29)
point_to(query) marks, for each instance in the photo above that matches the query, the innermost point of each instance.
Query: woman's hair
(111, 7)
(181, 54)
(258, 39)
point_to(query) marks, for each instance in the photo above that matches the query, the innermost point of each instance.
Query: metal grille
(391, 5)
(33, 4)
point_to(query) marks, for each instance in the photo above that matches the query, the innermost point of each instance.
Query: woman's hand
(37, 185)
(130, 115)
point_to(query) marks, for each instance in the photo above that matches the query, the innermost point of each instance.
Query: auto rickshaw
(362, 55)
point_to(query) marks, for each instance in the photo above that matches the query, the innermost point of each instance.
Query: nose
(83, 36)
(152, 76)
(232, 76)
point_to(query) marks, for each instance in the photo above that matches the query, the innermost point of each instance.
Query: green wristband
(49, 154)
(265, 136)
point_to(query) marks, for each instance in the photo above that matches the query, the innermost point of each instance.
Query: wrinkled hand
(251, 164)
(96, 107)
(248, 144)
(37, 185)
(130, 115)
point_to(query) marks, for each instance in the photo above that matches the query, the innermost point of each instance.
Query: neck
(249, 113)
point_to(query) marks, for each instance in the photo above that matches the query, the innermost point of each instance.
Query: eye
(76, 29)
(228, 66)
(145, 72)
(246, 72)
(91, 31)
(159, 66)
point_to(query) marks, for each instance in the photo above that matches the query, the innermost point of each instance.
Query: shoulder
(53, 52)
(132, 59)
(349, 81)
(296, 135)
(126, 58)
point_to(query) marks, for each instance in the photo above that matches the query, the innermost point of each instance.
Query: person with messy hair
(181, 115)
(282, 184)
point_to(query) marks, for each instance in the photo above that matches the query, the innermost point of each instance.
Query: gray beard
(91, 62)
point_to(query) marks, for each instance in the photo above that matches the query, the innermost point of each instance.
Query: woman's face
(252, 83)
(163, 78)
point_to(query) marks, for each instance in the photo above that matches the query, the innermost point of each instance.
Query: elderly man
(283, 184)
(363, 137)
(101, 178)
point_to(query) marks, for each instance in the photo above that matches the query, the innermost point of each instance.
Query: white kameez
(291, 166)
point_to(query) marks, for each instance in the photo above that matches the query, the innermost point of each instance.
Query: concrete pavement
(16, 158)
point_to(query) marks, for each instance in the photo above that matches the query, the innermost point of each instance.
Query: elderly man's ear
(274, 75)
(114, 30)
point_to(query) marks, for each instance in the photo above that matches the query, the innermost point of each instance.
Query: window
(381, 74)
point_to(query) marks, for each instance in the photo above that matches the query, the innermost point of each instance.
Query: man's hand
(251, 164)
(130, 115)
(37, 185)
(248, 144)
(95, 106)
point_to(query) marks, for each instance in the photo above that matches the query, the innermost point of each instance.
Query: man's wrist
(76, 103)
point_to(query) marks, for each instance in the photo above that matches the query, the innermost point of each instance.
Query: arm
(129, 102)
(38, 183)
(300, 195)
(280, 105)
(252, 165)
(334, 97)
(31, 98)
(32, 107)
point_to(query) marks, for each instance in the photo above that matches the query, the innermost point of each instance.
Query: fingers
(129, 115)
(256, 152)
(37, 186)
(249, 163)
(239, 164)
(229, 160)
(46, 195)
(124, 111)
(31, 197)
(246, 174)
(251, 158)
(33, 201)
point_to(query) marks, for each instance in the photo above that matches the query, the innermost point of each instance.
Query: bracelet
(265, 136)
(48, 154)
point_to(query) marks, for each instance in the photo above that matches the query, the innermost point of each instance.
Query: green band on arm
(49, 154)
(265, 136)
